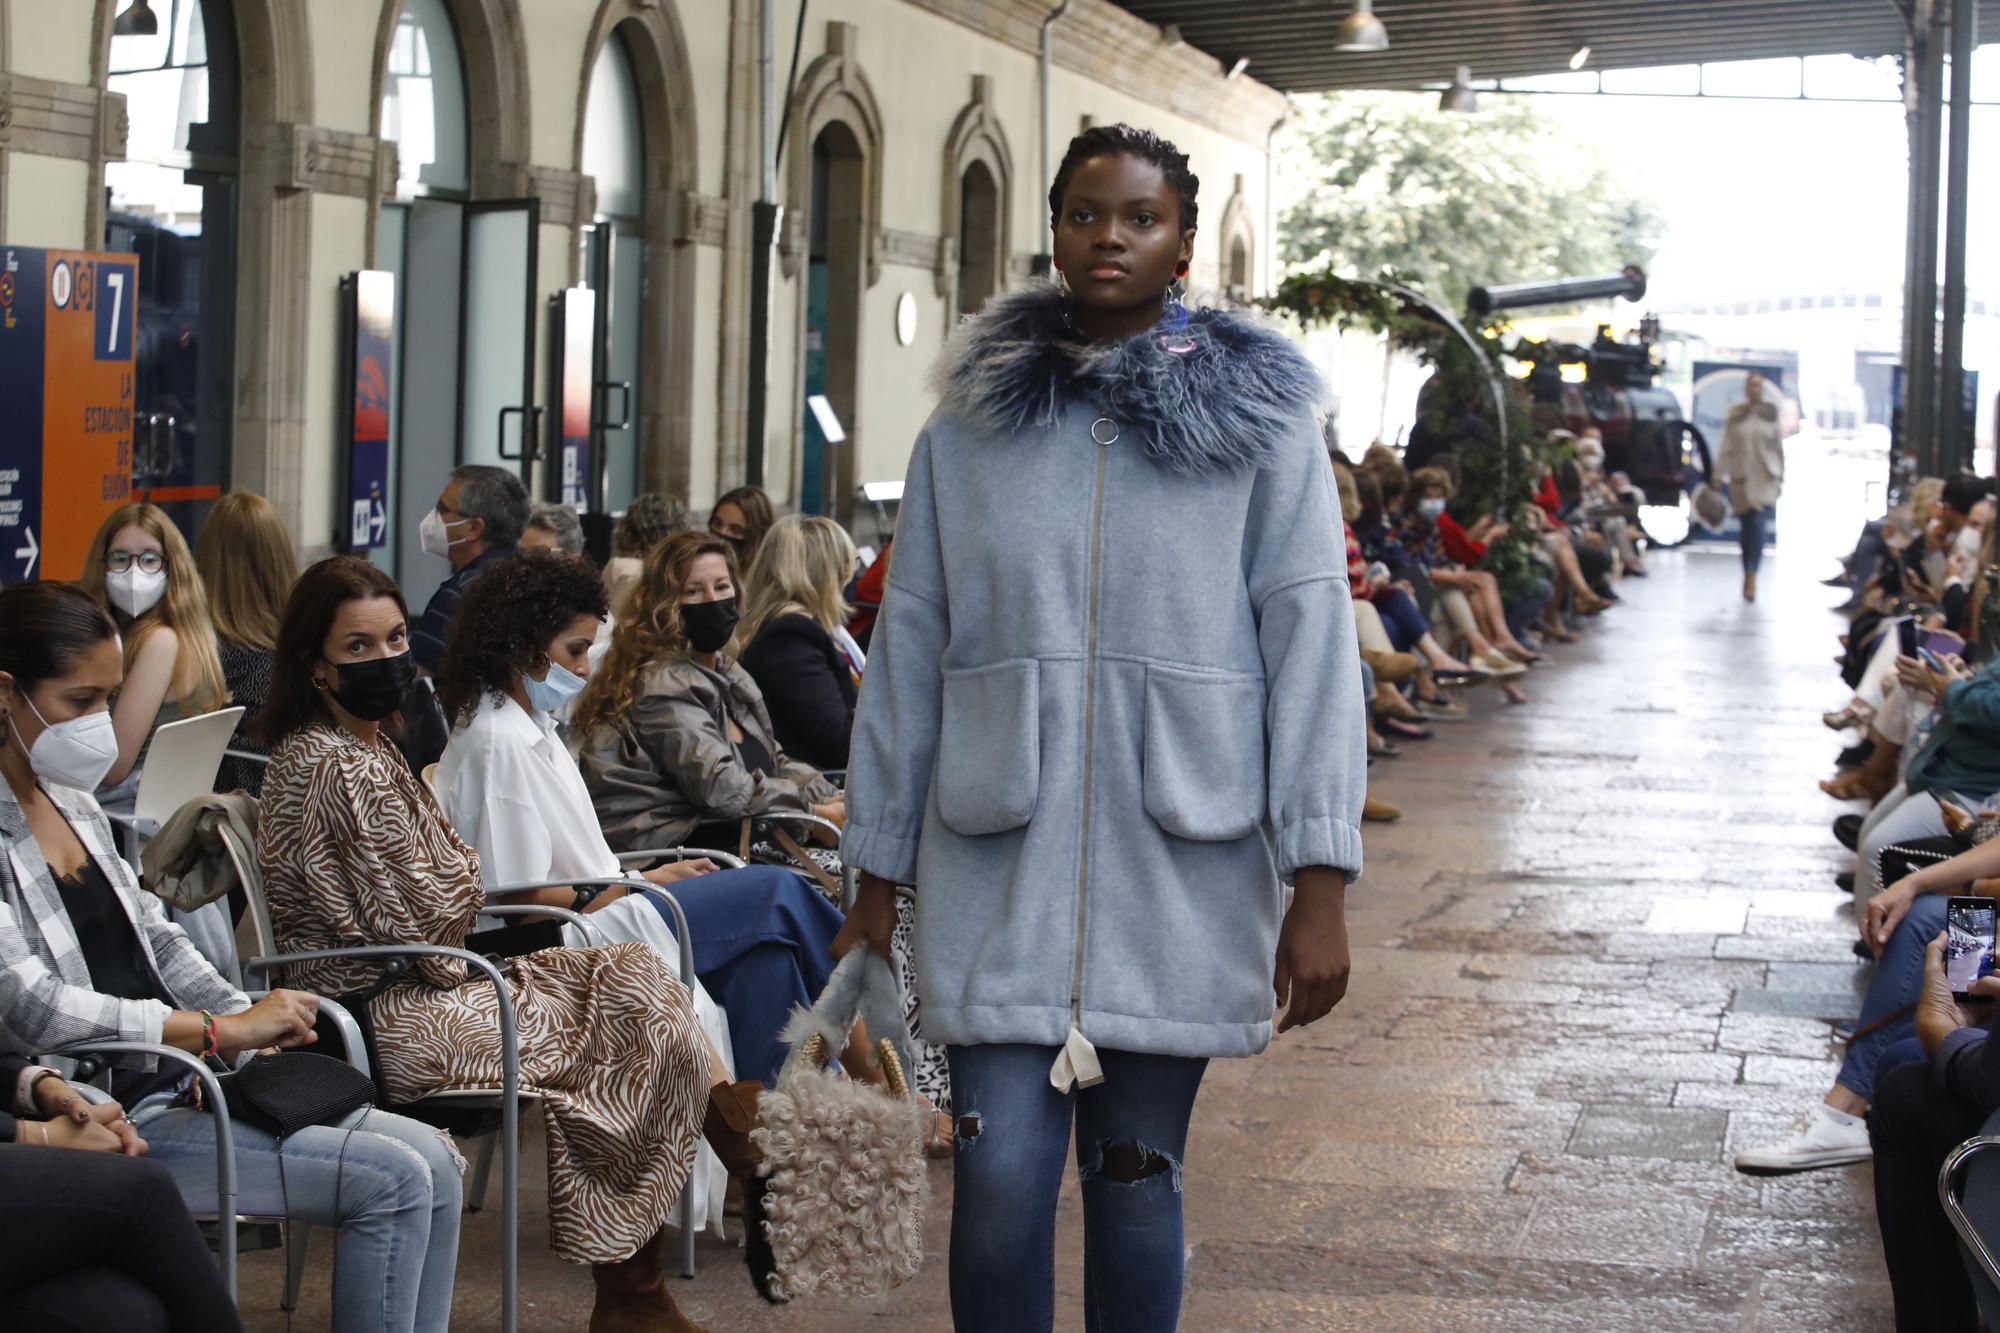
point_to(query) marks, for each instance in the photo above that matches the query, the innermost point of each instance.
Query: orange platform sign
(68, 324)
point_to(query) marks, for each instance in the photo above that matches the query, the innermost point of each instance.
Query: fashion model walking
(1113, 708)
(1753, 463)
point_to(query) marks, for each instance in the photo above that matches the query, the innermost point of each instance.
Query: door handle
(624, 388)
(531, 420)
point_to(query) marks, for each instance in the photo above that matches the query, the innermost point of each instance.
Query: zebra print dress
(355, 852)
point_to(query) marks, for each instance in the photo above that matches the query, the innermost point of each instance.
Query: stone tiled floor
(1598, 956)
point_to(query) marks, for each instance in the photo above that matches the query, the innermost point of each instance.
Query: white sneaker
(1826, 1138)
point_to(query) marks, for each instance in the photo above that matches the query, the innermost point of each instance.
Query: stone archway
(1236, 271)
(492, 51)
(833, 90)
(657, 46)
(978, 169)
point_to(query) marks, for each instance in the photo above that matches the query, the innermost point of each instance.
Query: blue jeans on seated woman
(388, 1182)
(1401, 619)
(1899, 979)
(761, 938)
(1013, 1132)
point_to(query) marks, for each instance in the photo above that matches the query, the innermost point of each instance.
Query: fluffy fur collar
(1227, 405)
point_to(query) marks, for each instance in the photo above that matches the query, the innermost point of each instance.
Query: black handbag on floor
(284, 1093)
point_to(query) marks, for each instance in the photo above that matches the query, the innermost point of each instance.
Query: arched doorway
(1239, 270)
(980, 258)
(835, 279)
(173, 202)
(614, 265)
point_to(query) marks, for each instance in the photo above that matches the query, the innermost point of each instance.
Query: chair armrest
(680, 930)
(225, 1142)
(647, 855)
(631, 884)
(249, 757)
(810, 821)
(1950, 1178)
(577, 919)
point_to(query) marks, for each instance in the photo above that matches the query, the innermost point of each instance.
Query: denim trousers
(1013, 1132)
(1750, 537)
(761, 938)
(1526, 609)
(391, 1186)
(1401, 618)
(1899, 979)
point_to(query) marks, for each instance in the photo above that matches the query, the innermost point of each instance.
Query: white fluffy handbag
(844, 1159)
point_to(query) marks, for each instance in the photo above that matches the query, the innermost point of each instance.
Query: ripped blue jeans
(1013, 1130)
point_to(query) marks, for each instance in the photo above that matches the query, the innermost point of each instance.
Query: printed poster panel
(368, 458)
(579, 329)
(68, 323)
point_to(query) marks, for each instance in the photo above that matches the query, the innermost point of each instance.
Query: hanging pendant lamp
(1361, 30)
(1459, 98)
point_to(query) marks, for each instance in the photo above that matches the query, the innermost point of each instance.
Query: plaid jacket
(46, 1000)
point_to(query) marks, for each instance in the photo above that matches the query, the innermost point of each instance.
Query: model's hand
(1312, 965)
(872, 919)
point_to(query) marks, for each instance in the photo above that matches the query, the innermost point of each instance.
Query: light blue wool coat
(1113, 698)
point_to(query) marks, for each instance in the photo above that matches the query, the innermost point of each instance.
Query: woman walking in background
(1752, 462)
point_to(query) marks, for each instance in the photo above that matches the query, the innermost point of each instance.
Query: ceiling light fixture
(138, 20)
(1242, 63)
(1361, 30)
(1581, 58)
(1459, 98)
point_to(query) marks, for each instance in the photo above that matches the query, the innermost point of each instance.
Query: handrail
(225, 1141)
(1955, 1166)
(510, 1087)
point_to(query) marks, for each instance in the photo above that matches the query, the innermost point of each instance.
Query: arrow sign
(378, 520)
(31, 552)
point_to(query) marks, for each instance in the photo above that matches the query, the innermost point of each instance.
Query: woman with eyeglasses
(139, 569)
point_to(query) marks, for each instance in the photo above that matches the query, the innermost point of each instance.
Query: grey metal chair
(1969, 1190)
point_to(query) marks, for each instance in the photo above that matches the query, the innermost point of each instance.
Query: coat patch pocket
(1204, 754)
(989, 748)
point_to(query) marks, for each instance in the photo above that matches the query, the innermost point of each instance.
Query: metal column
(1924, 75)
(1954, 429)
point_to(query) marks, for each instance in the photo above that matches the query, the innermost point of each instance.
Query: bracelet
(36, 1082)
(208, 1047)
(584, 898)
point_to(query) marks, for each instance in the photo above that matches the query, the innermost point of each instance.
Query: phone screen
(1906, 632)
(1968, 941)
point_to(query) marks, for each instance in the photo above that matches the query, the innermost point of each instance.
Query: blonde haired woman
(796, 644)
(245, 559)
(140, 570)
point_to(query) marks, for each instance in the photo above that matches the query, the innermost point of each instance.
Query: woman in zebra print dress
(356, 852)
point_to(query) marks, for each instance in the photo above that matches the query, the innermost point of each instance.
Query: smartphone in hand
(1906, 634)
(1968, 942)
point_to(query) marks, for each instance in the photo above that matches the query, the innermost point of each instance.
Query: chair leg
(689, 1224)
(296, 1235)
(475, 1197)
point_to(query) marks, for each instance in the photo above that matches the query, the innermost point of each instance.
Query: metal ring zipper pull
(1104, 431)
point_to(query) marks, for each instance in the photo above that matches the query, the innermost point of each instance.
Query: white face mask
(134, 591)
(76, 753)
(434, 535)
(1430, 508)
(555, 689)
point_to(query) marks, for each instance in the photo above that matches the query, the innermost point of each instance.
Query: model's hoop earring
(319, 684)
(1174, 336)
(1068, 298)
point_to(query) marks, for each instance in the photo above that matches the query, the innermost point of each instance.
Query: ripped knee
(966, 1132)
(1131, 1164)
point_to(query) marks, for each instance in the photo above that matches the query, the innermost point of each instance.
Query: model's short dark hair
(505, 620)
(1106, 140)
(496, 495)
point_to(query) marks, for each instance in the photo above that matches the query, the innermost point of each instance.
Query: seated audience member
(139, 569)
(796, 644)
(867, 598)
(86, 954)
(519, 652)
(355, 851)
(650, 519)
(95, 1238)
(1958, 760)
(478, 518)
(676, 746)
(1924, 1109)
(1406, 625)
(246, 563)
(553, 527)
(672, 735)
(741, 518)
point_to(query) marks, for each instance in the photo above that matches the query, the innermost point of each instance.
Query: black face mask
(736, 544)
(373, 689)
(708, 625)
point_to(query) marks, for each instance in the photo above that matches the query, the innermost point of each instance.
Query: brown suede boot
(632, 1295)
(731, 1115)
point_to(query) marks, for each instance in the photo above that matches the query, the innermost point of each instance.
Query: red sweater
(1358, 582)
(1459, 548)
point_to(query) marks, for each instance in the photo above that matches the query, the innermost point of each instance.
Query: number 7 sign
(116, 312)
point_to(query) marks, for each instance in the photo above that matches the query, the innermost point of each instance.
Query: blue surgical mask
(554, 690)
(1430, 508)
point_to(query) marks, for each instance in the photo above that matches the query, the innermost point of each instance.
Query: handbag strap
(790, 847)
(861, 987)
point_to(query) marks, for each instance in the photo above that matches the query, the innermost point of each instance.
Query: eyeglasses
(150, 562)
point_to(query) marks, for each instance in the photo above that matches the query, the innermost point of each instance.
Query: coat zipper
(1089, 716)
